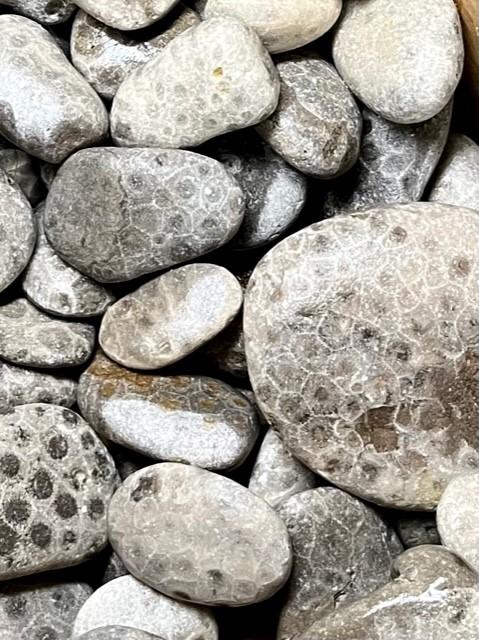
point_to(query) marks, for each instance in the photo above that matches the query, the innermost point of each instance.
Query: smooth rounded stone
(31, 338)
(214, 78)
(361, 340)
(130, 603)
(141, 210)
(395, 163)
(48, 109)
(57, 479)
(117, 633)
(20, 168)
(127, 15)
(317, 125)
(44, 11)
(402, 59)
(434, 594)
(105, 56)
(342, 552)
(416, 529)
(24, 386)
(276, 475)
(193, 535)
(171, 316)
(458, 518)
(227, 351)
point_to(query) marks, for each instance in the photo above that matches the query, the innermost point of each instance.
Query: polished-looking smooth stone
(127, 15)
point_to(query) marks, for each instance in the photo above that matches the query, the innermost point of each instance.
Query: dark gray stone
(44, 11)
(19, 167)
(416, 529)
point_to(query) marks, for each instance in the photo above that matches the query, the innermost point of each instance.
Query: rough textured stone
(48, 109)
(281, 25)
(416, 529)
(130, 603)
(193, 535)
(117, 633)
(127, 15)
(20, 168)
(458, 518)
(171, 316)
(402, 59)
(212, 79)
(361, 338)
(317, 125)
(141, 210)
(31, 338)
(57, 480)
(45, 11)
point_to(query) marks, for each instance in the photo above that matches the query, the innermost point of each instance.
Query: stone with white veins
(214, 78)
(19, 166)
(45, 11)
(48, 109)
(130, 603)
(402, 59)
(171, 316)
(193, 535)
(117, 633)
(141, 210)
(317, 125)
(361, 340)
(415, 529)
(127, 15)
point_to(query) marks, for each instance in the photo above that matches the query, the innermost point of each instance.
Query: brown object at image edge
(469, 11)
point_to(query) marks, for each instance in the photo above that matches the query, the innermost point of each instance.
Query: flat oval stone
(141, 210)
(213, 78)
(117, 633)
(402, 59)
(281, 25)
(416, 529)
(193, 535)
(31, 338)
(356, 356)
(33, 74)
(458, 518)
(44, 11)
(19, 167)
(58, 479)
(127, 15)
(130, 603)
(171, 316)
(317, 125)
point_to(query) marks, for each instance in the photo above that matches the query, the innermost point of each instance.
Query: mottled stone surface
(276, 475)
(127, 15)
(402, 59)
(193, 535)
(458, 518)
(19, 166)
(212, 79)
(317, 125)
(57, 479)
(44, 11)
(130, 603)
(31, 338)
(48, 109)
(416, 529)
(171, 316)
(361, 338)
(117, 633)
(141, 210)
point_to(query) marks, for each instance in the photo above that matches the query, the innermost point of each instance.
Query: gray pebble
(416, 529)
(44, 11)
(127, 15)
(117, 633)
(141, 210)
(19, 167)
(317, 125)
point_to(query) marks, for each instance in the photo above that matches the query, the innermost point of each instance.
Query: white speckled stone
(117, 633)
(44, 11)
(127, 15)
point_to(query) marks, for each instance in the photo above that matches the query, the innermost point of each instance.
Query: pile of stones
(239, 321)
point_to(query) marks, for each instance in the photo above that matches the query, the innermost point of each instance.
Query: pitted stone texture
(212, 79)
(171, 316)
(48, 109)
(20, 168)
(127, 15)
(130, 603)
(458, 518)
(55, 286)
(117, 633)
(31, 338)
(57, 479)
(361, 340)
(317, 125)
(141, 210)
(434, 596)
(40, 610)
(17, 237)
(395, 163)
(193, 535)
(44, 11)
(282, 25)
(276, 475)
(342, 551)
(402, 59)
(197, 420)
(416, 529)
(24, 386)
(105, 56)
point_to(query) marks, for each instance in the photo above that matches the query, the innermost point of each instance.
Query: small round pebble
(117, 633)
(416, 529)
(21, 168)
(127, 15)
(45, 11)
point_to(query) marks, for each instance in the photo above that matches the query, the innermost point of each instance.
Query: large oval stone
(44, 11)
(117, 633)
(193, 535)
(127, 15)
(362, 345)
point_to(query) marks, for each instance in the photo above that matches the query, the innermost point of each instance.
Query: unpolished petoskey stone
(117, 633)
(57, 480)
(141, 210)
(361, 339)
(127, 15)
(44, 11)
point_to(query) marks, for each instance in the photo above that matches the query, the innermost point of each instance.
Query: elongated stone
(19, 167)
(127, 15)
(33, 74)
(141, 210)
(214, 78)
(117, 633)
(416, 529)
(44, 11)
